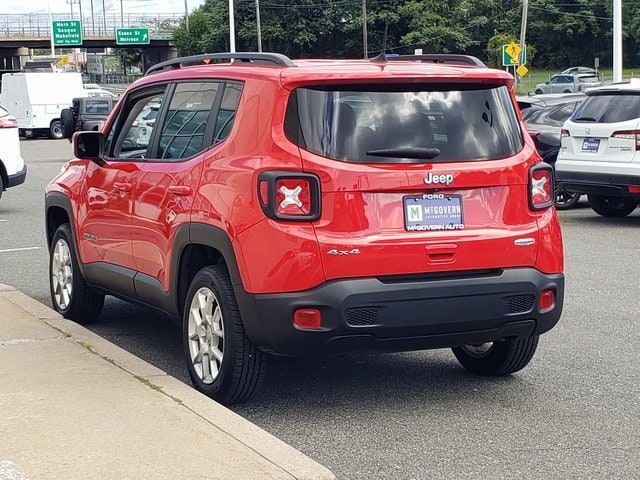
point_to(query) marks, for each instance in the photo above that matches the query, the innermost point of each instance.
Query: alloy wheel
(62, 274)
(206, 335)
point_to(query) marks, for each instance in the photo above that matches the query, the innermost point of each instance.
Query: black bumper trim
(18, 178)
(614, 185)
(412, 315)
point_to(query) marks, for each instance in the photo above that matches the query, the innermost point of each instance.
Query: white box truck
(37, 98)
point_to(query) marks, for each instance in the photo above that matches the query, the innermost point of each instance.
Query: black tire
(498, 358)
(1, 186)
(70, 294)
(611, 206)
(538, 92)
(566, 199)
(55, 130)
(567, 91)
(224, 367)
(68, 122)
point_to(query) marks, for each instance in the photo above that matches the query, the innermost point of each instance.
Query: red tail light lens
(541, 186)
(564, 133)
(629, 135)
(289, 196)
(8, 122)
(547, 301)
(307, 318)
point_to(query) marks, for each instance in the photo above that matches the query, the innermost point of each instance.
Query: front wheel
(497, 358)
(222, 362)
(55, 130)
(611, 206)
(566, 199)
(70, 294)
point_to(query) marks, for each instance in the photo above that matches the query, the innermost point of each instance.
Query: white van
(36, 99)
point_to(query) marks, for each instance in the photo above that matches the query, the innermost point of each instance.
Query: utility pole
(93, 20)
(364, 29)
(104, 18)
(258, 25)
(121, 15)
(53, 47)
(186, 15)
(232, 29)
(523, 33)
(617, 40)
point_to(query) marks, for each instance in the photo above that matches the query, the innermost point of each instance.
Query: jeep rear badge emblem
(446, 179)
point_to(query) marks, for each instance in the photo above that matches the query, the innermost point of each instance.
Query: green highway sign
(510, 54)
(67, 32)
(132, 36)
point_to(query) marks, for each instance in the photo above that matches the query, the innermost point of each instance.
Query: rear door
(431, 179)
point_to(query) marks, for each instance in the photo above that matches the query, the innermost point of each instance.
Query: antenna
(382, 57)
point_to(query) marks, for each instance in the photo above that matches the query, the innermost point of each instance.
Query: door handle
(122, 186)
(180, 190)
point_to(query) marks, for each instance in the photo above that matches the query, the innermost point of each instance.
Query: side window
(183, 130)
(227, 111)
(133, 139)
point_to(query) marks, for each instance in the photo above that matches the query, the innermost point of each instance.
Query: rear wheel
(222, 361)
(538, 92)
(55, 130)
(497, 358)
(611, 206)
(70, 294)
(566, 199)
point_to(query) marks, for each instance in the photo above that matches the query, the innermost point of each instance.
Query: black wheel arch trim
(60, 200)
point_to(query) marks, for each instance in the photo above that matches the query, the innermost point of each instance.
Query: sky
(112, 6)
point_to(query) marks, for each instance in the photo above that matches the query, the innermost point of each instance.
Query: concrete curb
(267, 446)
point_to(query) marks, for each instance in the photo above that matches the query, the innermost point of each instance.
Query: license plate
(433, 212)
(590, 145)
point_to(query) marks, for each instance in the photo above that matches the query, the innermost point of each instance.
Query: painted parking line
(24, 249)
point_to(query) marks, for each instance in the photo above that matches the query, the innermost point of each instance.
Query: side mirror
(89, 146)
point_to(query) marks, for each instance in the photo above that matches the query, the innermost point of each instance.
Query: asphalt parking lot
(571, 414)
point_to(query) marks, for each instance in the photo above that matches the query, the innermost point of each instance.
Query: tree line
(559, 33)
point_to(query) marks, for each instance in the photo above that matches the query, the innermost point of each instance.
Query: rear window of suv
(609, 108)
(376, 124)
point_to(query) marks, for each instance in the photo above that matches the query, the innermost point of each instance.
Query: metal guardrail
(37, 25)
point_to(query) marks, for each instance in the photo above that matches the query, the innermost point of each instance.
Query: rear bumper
(615, 185)
(18, 178)
(409, 313)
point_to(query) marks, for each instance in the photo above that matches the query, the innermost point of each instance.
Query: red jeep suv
(314, 207)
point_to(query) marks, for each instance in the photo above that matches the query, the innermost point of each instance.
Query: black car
(544, 116)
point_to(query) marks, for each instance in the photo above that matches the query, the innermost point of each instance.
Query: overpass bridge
(21, 34)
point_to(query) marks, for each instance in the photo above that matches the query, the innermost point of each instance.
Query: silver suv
(568, 83)
(599, 149)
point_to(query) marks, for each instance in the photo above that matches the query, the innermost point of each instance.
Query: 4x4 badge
(446, 179)
(353, 251)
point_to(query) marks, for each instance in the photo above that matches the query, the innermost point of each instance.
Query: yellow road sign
(522, 70)
(513, 50)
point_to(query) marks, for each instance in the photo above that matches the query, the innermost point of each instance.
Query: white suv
(599, 149)
(13, 170)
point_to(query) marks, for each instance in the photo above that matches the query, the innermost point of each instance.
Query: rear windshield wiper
(585, 119)
(406, 152)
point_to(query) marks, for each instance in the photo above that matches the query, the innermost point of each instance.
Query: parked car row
(544, 116)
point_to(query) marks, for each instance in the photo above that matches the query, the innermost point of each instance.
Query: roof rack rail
(264, 58)
(446, 58)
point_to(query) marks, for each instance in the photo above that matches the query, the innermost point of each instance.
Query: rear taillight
(629, 135)
(564, 133)
(8, 122)
(541, 186)
(289, 196)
